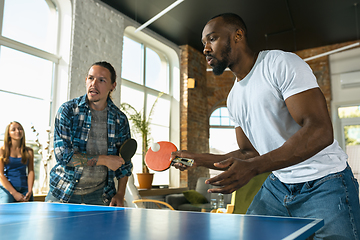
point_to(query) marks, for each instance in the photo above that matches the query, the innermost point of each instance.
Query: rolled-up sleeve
(124, 170)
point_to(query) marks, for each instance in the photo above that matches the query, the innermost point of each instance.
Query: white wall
(342, 64)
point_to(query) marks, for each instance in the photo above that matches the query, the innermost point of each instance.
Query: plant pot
(145, 180)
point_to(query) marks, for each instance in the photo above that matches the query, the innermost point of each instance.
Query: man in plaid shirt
(88, 133)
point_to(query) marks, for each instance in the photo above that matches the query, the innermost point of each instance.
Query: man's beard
(220, 67)
(92, 100)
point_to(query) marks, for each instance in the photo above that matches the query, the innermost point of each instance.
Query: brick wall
(218, 87)
(194, 120)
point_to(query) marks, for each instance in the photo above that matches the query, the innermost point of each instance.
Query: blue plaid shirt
(72, 127)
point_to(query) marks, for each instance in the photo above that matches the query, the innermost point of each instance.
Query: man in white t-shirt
(282, 126)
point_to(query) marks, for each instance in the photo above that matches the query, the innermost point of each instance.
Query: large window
(222, 134)
(350, 128)
(29, 61)
(145, 73)
(145, 65)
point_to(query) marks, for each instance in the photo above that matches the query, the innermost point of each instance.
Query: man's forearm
(208, 159)
(122, 186)
(304, 144)
(82, 160)
(242, 154)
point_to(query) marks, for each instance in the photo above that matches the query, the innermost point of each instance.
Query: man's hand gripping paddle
(158, 156)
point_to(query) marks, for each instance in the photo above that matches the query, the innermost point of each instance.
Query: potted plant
(141, 125)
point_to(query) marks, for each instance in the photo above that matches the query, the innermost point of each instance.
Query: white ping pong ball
(155, 147)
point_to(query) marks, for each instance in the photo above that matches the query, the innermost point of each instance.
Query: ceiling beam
(160, 14)
(332, 51)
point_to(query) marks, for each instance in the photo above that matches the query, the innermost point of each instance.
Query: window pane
(352, 140)
(30, 22)
(136, 99)
(161, 112)
(25, 74)
(224, 112)
(226, 122)
(131, 67)
(222, 140)
(28, 111)
(133, 97)
(159, 133)
(220, 117)
(352, 135)
(155, 71)
(215, 121)
(216, 113)
(349, 112)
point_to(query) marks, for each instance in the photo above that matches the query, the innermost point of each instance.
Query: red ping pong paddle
(128, 149)
(158, 156)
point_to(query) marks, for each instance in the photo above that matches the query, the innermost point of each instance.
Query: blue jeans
(334, 198)
(94, 198)
(6, 197)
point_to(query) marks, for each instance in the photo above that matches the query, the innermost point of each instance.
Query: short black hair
(234, 20)
(109, 67)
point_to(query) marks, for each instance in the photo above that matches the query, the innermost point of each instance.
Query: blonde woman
(16, 166)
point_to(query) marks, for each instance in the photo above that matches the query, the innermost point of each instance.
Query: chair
(133, 198)
(243, 197)
(159, 204)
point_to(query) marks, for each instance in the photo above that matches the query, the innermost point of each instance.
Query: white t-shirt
(257, 105)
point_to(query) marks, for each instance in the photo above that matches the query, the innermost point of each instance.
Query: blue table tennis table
(57, 221)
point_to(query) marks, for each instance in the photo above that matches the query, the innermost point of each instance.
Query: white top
(257, 105)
